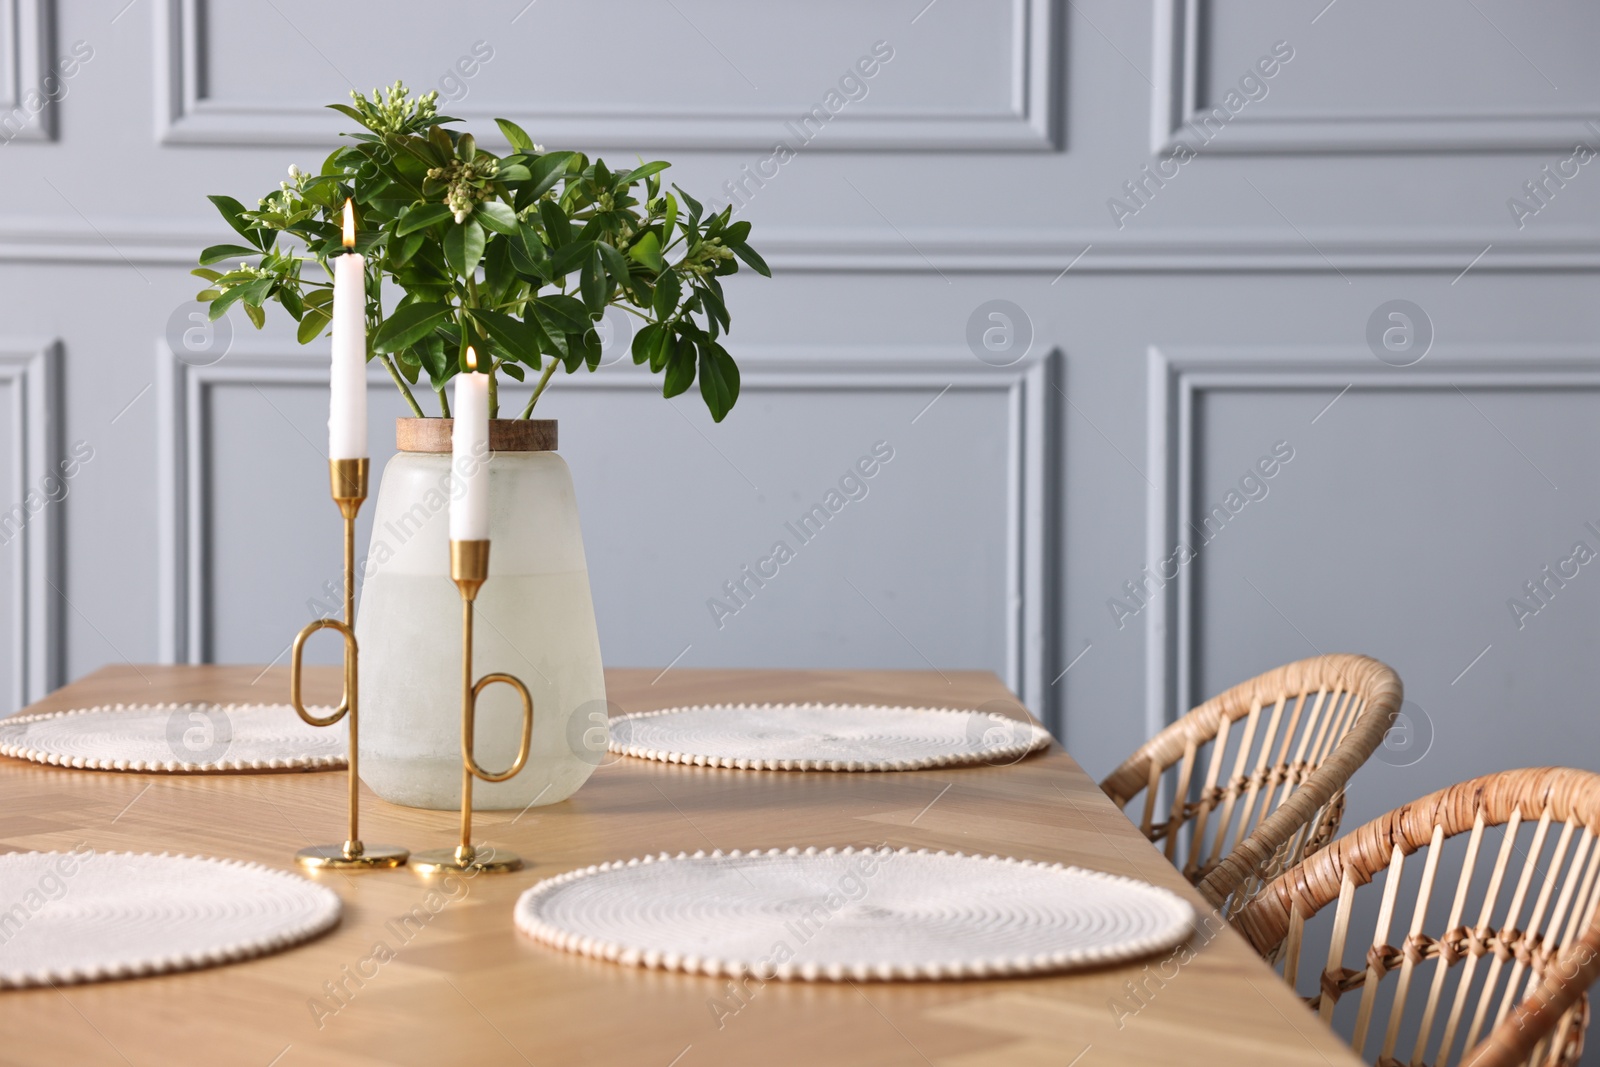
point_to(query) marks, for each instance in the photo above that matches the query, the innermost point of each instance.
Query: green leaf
(695, 210)
(408, 246)
(572, 355)
(593, 282)
(420, 216)
(311, 327)
(570, 257)
(528, 253)
(652, 344)
(439, 138)
(669, 289)
(312, 230)
(647, 250)
(547, 170)
(463, 246)
(556, 226)
(466, 148)
(207, 273)
(348, 112)
(497, 217)
(719, 380)
(512, 172)
(214, 253)
(522, 340)
(220, 304)
(409, 324)
(616, 265)
(715, 309)
(564, 313)
(645, 340)
(644, 172)
(254, 313)
(670, 219)
(337, 162)
(748, 254)
(583, 348)
(558, 345)
(513, 370)
(680, 368)
(408, 368)
(662, 353)
(233, 212)
(430, 353)
(420, 148)
(498, 274)
(250, 293)
(515, 134)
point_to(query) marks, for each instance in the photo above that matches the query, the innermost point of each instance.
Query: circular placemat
(84, 916)
(851, 913)
(825, 737)
(176, 738)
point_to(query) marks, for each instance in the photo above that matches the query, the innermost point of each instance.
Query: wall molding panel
(29, 43)
(1179, 375)
(1178, 97)
(1028, 123)
(1031, 592)
(974, 250)
(31, 369)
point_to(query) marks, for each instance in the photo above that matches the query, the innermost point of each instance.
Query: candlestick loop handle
(347, 698)
(467, 758)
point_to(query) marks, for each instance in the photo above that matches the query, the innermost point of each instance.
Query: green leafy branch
(517, 256)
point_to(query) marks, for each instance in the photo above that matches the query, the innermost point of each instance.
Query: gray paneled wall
(1202, 209)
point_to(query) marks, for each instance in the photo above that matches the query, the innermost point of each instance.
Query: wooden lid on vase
(505, 435)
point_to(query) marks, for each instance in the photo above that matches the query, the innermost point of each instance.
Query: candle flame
(349, 224)
(472, 359)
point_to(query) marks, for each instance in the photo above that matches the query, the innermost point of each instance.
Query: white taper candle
(469, 455)
(347, 407)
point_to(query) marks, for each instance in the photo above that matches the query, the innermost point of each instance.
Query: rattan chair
(1520, 937)
(1282, 746)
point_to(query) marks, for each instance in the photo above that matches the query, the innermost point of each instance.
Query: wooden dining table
(468, 988)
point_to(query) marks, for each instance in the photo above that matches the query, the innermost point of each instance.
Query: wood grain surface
(463, 986)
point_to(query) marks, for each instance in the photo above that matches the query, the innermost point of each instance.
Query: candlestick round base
(449, 861)
(336, 858)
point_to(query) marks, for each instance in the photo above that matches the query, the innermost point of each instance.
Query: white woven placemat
(176, 738)
(851, 913)
(825, 737)
(84, 916)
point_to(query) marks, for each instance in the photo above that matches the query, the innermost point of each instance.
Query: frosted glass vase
(534, 619)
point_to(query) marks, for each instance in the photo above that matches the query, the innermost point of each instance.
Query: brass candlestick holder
(469, 568)
(348, 479)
